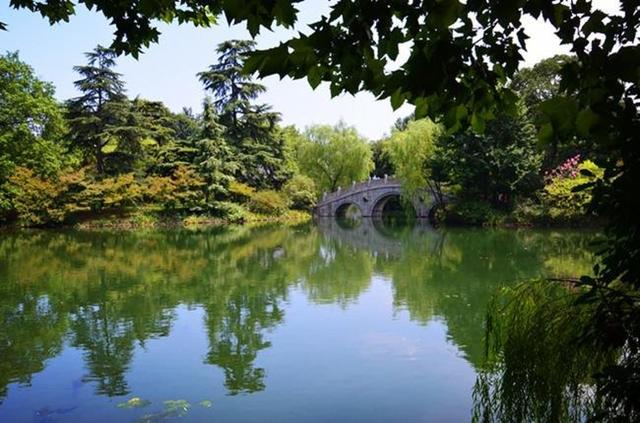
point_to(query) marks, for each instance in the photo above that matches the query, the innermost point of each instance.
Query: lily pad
(205, 404)
(135, 402)
(177, 407)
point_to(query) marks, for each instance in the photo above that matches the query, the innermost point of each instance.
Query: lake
(316, 323)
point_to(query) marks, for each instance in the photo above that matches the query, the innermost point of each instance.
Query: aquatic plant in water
(172, 408)
(539, 365)
(135, 402)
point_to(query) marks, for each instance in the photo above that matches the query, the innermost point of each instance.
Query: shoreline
(142, 221)
(149, 221)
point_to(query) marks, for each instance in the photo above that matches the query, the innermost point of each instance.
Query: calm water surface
(310, 324)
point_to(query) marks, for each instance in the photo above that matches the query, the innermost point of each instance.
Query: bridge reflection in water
(380, 236)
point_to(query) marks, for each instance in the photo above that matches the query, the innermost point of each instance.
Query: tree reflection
(108, 293)
(236, 336)
(32, 332)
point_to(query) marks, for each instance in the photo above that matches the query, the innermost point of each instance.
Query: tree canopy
(409, 151)
(333, 156)
(31, 121)
(32, 125)
(250, 128)
(99, 114)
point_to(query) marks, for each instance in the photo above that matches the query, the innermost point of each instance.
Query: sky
(167, 70)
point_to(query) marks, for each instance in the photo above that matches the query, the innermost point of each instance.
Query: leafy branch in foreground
(136, 22)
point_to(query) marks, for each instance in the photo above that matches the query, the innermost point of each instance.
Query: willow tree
(333, 156)
(410, 150)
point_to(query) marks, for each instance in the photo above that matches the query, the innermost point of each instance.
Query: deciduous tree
(333, 156)
(32, 127)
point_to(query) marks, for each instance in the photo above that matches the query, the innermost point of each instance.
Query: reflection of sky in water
(268, 325)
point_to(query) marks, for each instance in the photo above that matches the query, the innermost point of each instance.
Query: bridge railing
(357, 186)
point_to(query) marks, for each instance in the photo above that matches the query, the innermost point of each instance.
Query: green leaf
(314, 76)
(561, 113)
(397, 99)
(135, 402)
(585, 120)
(545, 133)
(595, 23)
(444, 13)
(422, 107)
(625, 64)
(335, 89)
(478, 123)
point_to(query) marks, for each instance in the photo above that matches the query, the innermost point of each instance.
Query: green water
(317, 323)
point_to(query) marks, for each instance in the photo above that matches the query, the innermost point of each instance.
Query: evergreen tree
(232, 89)
(250, 128)
(181, 150)
(101, 107)
(214, 158)
(185, 124)
(156, 119)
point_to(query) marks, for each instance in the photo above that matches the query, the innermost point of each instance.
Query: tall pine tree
(214, 159)
(101, 105)
(251, 129)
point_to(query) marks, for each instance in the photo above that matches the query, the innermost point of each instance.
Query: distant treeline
(103, 152)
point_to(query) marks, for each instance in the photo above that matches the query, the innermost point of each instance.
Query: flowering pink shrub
(568, 169)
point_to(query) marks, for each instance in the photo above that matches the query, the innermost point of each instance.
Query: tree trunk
(99, 159)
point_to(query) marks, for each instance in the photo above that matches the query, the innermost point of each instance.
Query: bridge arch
(344, 210)
(380, 204)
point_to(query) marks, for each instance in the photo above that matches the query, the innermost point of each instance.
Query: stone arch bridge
(370, 197)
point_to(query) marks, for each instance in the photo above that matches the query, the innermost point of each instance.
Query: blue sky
(166, 71)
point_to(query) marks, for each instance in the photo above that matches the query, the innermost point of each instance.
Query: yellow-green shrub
(39, 201)
(119, 191)
(33, 198)
(560, 201)
(301, 191)
(267, 202)
(240, 192)
(183, 190)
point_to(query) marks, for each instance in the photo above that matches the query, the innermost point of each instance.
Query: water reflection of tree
(457, 284)
(453, 274)
(338, 275)
(32, 332)
(242, 305)
(106, 293)
(236, 336)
